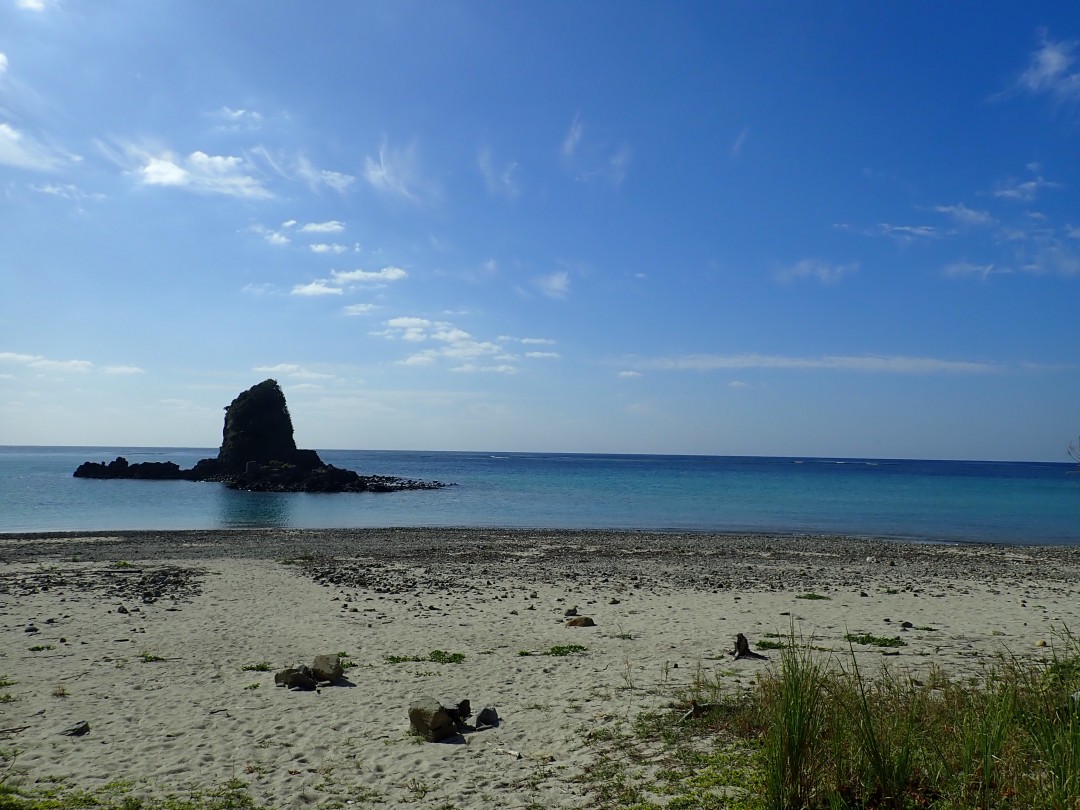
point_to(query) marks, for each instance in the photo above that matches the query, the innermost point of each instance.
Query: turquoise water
(921, 500)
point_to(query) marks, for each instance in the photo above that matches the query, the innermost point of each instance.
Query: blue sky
(844, 229)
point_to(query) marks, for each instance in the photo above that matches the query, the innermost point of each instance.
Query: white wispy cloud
(341, 280)
(528, 341)
(966, 269)
(317, 288)
(293, 370)
(359, 309)
(543, 355)
(554, 285)
(1050, 71)
(275, 238)
(964, 215)
(453, 344)
(33, 5)
(597, 160)
(395, 171)
(21, 151)
(200, 173)
(3, 64)
(123, 370)
(1023, 190)
(323, 247)
(500, 180)
(36, 361)
(573, 136)
(298, 168)
(1048, 255)
(629, 375)
(331, 226)
(67, 191)
(740, 141)
(818, 270)
(862, 363)
(386, 275)
(901, 233)
(316, 177)
(235, 120)
(619, 164)
(472, 368)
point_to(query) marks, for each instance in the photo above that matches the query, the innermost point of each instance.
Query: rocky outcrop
(258, 453)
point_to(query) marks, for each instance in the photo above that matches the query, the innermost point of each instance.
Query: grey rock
(76, 730)
(459, 711)
(299, 678)
(430, 720)
(327, 668)
(487, 717)
(580, 621)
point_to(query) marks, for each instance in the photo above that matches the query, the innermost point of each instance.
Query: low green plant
(812, 596)
(875, 641)
(261, 666)
(770, 644)
(566, 649)
(435, 657)
(149, 657)
(42, 647)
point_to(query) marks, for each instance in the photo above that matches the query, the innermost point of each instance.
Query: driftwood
(742, 650)
(13, 729)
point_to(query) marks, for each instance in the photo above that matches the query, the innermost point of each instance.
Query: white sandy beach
(665, 607)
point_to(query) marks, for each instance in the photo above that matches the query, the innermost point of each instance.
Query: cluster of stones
(436, 721)
(258, 453)
(325, 670)
(431, 719)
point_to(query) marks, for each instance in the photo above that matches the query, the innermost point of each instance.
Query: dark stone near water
(258, 453)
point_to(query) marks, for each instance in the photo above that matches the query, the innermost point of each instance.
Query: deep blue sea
(1019, 503)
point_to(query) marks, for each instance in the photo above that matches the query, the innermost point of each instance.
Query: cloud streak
(1050, 71)
(342, 280)
(21, 151)
(879, 364)
(199, 173)
(453, 344)
(817, 270)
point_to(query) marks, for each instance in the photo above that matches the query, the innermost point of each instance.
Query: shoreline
(166, 688)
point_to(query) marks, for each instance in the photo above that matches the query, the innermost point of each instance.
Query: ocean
(969, 501)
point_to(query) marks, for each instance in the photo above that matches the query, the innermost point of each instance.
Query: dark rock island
(258, 453)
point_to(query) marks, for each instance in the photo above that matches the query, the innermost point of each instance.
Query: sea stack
(258, 453)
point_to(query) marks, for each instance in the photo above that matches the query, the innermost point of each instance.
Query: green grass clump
(875, 641)
(435, 657)
(262, 666)
(116, 795)
(812, 596)
(566, 649)
(770, 644)
(818, 733)
(149, 658)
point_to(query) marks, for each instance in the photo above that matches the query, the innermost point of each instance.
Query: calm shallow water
(925, 500)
